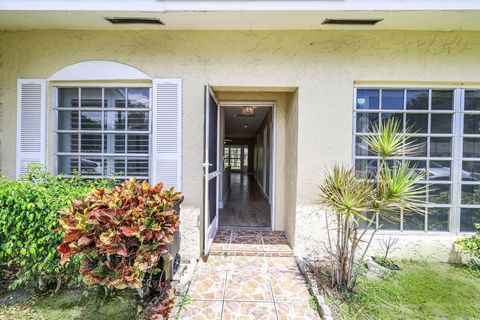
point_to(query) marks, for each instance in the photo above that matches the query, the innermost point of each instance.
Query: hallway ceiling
(235, 126)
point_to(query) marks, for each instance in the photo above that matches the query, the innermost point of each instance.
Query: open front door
(211, 168)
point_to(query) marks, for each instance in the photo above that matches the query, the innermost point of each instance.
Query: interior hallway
(247, 205)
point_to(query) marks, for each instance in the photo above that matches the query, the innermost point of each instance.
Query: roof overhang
(240, 15)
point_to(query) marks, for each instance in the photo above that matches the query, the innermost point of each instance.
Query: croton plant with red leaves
(120, 233)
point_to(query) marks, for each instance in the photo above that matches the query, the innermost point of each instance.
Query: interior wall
(262, 149)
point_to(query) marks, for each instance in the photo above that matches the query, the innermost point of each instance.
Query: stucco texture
(323, 65)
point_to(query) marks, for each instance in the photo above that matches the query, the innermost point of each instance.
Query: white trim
(98, 70)
(272, 105)
(162, 6)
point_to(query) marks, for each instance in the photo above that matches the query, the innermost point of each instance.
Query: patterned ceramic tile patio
(248, 275)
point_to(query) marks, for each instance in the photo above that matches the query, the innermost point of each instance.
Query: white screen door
(211, 168)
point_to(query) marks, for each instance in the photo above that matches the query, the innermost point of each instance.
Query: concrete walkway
(248, 275)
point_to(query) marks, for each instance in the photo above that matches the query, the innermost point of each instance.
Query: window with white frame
(446, 124)
(103, 131)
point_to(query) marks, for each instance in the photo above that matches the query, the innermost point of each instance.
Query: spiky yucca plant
(352, 197)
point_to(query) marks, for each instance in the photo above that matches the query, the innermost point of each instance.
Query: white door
(211, 168)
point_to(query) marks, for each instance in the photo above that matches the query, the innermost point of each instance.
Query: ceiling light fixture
(248, 111)
(245, 127)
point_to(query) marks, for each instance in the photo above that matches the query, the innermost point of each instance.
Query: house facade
(78, 93)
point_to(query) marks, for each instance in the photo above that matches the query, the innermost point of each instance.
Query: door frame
(273, 105)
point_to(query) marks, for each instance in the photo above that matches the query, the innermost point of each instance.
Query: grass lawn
(418, 291)
(68, 304)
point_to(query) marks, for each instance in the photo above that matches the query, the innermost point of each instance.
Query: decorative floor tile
(213, 263)
(207, 285)
(250, 263)
(296, 311)
(281, 264)
(248, 275)
(233, 310)
(246, 247)
(289, 286)
(245, 285)
(202, 310)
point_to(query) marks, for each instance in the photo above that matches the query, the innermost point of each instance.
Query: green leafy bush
(121, 234)
(29, 213)
(471, 246)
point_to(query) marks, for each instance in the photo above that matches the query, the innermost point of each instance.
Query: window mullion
(457, 163)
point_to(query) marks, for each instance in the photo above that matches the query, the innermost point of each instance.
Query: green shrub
(29, 213)
(120, 234)
(471, 246)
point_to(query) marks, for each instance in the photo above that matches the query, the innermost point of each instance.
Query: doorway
(243, 197)
(246, 178)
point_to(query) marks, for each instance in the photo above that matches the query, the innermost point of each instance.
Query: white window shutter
(31, 123)
(167, 132)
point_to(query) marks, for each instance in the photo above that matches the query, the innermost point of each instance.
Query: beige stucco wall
(322, 64)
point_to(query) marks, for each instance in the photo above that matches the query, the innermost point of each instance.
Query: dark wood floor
(246, 205)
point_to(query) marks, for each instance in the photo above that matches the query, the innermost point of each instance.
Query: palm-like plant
(352, 197)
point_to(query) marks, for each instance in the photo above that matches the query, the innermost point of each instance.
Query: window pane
(471, 147)
(67, 120)
(439, 170)
(137, 121)
(114, 98)
(367, 99)
(441, 123)
(472, 99)
(438, 219)
(470, 194)
(67, 98)
(361, 147)
(67, 165)
(114, 120)
(417, 99)
(367, 121)
(440, 147)
(442, 99)
(91, 98)
(468, 218)
(371, 224)
(413, 221)
(67, 142)
(137, 143)
(397, 116)
(114, 166)
(137, 166)
(471, 124)
(439, 193)
(418, 122)
(392, 99)
(91, 120)
(114, 143)
(391, 224)
(366, 167)
(420, 166)
(471, 171)
(138, 97)
(421, 143)
(91, 166)
(91, 143)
